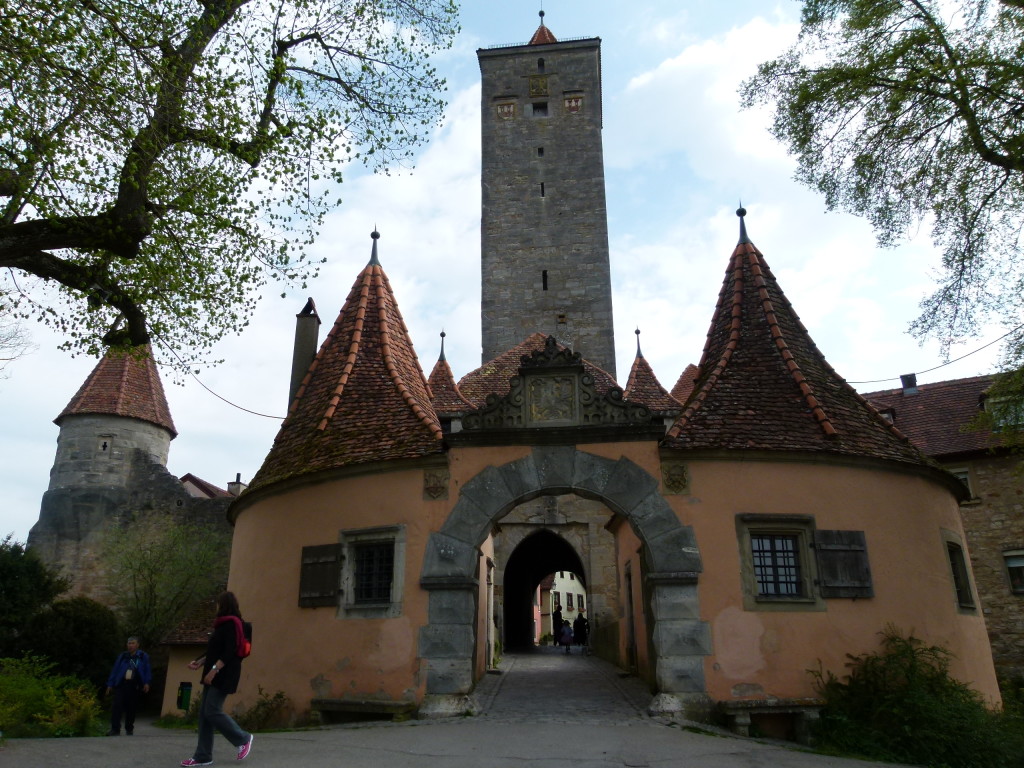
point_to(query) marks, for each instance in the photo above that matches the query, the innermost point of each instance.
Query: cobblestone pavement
(547, 685)
(543, 710)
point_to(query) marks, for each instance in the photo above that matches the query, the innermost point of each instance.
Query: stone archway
(679, 638)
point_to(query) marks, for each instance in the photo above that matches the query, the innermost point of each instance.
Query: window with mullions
(374, 571)
(777, 568)
(776, 564)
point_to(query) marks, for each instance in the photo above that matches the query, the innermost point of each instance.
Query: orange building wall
(310, 652)
(902, 517)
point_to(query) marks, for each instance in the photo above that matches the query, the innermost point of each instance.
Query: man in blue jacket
(131, 674)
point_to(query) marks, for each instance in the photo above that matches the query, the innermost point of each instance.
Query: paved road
(545, 710)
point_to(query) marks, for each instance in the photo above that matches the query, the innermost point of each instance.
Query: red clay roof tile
(542, 36)
(684, 384)
(493, 376)
(937, 416)
(643, 387)
(364, 397)
(444, 392)
(123, 383)
(762, 383)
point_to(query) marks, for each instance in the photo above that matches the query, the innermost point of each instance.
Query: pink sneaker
(243, 751)
(189, 761)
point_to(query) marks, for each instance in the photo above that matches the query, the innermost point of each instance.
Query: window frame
(801, 528)
(1016, 554)
(960, 573)
(351, 540)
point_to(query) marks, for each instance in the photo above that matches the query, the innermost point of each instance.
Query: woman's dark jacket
(222, 647)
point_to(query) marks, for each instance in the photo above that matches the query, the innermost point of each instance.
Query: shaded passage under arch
(678, 638)
(536, 556)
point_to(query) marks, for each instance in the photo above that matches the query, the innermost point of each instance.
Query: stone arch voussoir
(672, 562)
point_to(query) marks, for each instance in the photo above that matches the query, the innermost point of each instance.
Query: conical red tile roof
(543, 35)
(684, 384)
(364, 397)
(764, 385)
(444, 392)
(643, 387)
(493, 376)
(123, 383)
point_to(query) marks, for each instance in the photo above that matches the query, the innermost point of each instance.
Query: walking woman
(221, 669)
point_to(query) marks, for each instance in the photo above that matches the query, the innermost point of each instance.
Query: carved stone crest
(675, 477)
(538, 85)
(573, 104)
(553, 389)
(506, 111)
(435, 484)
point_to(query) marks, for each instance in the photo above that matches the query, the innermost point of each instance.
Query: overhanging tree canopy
(160, 160)
(909, 112)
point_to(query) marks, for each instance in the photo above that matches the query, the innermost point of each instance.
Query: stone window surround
(800, 526)
(349, 540)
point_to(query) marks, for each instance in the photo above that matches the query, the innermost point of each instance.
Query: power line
(948, 362)
(219, 397)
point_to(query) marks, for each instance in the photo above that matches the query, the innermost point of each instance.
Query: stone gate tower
(544, 227)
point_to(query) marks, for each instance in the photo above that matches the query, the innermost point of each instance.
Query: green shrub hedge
(36, 703)
(900, 704)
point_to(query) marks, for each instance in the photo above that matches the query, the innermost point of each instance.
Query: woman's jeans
(211, 715)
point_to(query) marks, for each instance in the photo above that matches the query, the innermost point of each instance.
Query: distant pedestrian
(565, 635)
(556, 623)
(580, 628)
(222, 667)
(130, 676)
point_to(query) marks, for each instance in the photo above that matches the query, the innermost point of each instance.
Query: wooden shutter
(320, 577)
(843, 569)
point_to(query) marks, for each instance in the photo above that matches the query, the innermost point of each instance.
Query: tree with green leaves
(911, 113)
(160, 161)
(79, 635)
(159, 568)
(27, 586)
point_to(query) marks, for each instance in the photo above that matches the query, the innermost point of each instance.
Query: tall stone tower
(544, 230)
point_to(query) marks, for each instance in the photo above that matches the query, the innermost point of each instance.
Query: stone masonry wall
(994, 523)
(544, 229)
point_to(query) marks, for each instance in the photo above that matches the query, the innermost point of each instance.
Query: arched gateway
(679, 639)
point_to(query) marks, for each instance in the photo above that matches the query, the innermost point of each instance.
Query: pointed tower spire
(543, 35)
(375, 236)
(364, 397)
(643, 387)
(742, 212)
(445, 395)
(762, 384)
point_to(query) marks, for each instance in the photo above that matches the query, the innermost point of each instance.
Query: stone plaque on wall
(675, 477)
(538, 85)
(506, 111)
(552, 399)
(435, 484)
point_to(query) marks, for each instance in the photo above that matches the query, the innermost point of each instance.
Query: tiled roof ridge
(543, 35)
(424, 410)
(751, 253)
(372, 278)
(756, 299)
(684, 384)
(108, 389)
(444, 390)
(643, 386)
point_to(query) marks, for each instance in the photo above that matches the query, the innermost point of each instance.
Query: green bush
(97, 638)
(36, 703)
(267, 712)
(900, 704)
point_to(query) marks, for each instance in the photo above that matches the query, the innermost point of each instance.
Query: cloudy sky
(679, 157)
